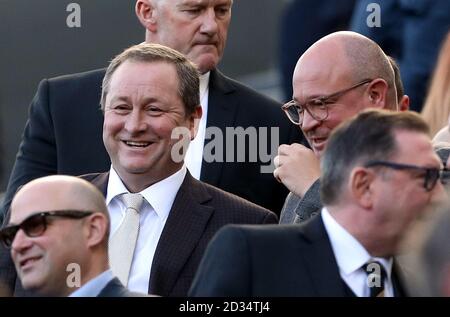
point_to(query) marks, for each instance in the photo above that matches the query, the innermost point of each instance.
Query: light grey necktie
(123, 241)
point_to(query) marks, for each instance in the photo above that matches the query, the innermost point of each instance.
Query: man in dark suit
(161, 217)
(58, 235)
(379, 173)
(63, 133)
(329, 74)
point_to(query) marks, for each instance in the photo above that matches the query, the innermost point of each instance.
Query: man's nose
(135, 122)
(209, 22)
(21, 241)
(308, 122)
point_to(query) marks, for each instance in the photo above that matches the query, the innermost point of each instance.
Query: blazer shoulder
(235, 206)
(88, 76)
(250, 95)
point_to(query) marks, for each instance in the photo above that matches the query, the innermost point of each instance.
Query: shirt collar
(204, 83)
(94, 286)
(160, 195)
(343, 242)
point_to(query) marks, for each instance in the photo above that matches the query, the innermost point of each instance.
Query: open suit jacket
(282, 260)
(63, 135)
(198, 212)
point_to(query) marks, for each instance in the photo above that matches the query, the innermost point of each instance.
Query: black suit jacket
(198, 212)
(282, 260)
(115, 289)
(63, 135)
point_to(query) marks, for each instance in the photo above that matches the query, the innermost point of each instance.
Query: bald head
(58, 192)
(350, 57)
(63, 223)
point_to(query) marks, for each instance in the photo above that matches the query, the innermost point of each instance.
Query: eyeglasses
(317, 107)
(431, 175)
(36, 224)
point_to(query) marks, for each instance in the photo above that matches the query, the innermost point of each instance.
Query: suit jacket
(198, 212)
(115, 289)
(63, 135)
(298, 209)
(270, 261)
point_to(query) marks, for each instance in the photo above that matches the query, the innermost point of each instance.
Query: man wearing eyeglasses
(337, 77)
(379, 174)
(58, 238)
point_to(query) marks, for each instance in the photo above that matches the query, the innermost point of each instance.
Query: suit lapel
(184, 228)
(320, 260)
(222, 111)
(100, 181)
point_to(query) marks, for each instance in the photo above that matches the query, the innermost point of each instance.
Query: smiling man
(58, 236)
(161, 217)
(337, 77)
(65, 125)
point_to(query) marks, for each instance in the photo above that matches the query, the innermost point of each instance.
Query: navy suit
(64, 135)
(272, 261)
(115, 289)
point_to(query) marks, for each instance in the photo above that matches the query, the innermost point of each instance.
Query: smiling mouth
(136, 144)
(28, 261)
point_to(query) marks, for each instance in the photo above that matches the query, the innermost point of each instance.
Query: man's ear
(194, 121)
(146, 13)
(404, 103)
(97, 227)
(377, 92)
(361, 186)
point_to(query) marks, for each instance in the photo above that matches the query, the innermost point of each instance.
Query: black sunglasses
(431, 175)
(36, 224)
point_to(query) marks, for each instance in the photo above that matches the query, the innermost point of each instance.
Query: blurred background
(36, 43)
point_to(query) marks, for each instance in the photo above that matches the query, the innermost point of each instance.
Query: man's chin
(206, 62)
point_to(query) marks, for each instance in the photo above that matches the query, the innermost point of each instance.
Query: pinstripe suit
(198, 212)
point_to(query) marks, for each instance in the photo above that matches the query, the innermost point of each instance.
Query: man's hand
(297, 167)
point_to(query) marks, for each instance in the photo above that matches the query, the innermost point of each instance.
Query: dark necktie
(376, 275)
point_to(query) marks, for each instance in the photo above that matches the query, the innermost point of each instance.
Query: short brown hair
(188, 75)
(367, 136)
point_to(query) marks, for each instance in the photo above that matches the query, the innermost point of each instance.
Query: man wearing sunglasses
(337, 77)
(58, 238)
(379, 174)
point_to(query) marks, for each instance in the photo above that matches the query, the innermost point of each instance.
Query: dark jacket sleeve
(224, 269)
(298, 209)
(37, 153)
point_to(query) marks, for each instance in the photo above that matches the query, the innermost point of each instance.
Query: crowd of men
(145, 211)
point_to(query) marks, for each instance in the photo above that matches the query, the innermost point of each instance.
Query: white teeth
(138, 144)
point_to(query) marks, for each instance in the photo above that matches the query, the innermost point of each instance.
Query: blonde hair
(436, 109)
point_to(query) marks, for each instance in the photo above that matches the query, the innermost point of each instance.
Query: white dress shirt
(158, 200)
(94, 286)
(351, 256)
(194, 154)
